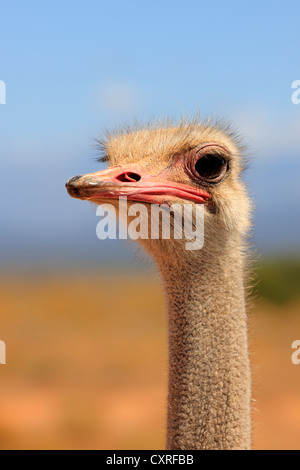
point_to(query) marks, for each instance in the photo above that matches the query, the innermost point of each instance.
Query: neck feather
(209, 374)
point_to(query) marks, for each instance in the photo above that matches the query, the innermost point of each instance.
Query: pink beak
(133, 183)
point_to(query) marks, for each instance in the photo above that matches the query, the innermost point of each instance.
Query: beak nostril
(128, 177)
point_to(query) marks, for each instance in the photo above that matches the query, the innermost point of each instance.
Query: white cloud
(270, 133)
(118, 98)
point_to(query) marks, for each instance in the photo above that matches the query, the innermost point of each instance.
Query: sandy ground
(87, 362)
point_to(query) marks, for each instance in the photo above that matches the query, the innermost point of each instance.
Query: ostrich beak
(133, 183)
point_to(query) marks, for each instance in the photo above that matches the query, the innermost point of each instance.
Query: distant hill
(278, 280)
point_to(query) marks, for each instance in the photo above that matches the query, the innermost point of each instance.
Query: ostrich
(192, 162)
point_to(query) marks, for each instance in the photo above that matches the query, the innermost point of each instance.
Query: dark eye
(211, 167)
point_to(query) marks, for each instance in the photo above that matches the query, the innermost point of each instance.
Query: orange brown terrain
(87, 364)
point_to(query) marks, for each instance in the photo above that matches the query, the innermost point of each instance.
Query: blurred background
(83, 320)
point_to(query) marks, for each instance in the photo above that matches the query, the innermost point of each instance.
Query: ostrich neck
(209, 375)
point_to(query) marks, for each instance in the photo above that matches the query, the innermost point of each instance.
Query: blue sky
(73, 68)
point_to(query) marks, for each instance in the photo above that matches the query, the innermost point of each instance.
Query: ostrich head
(186, 163)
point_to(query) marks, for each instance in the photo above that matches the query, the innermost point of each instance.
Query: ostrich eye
(211, 168)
